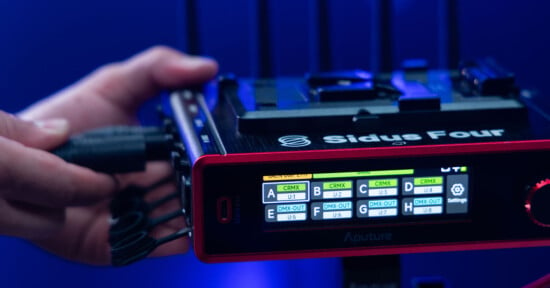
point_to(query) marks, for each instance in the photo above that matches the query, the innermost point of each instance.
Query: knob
(537, 203)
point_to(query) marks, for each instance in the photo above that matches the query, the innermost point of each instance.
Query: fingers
(40, 178)
(149, 72)
(36, 177)
(45, 134)
(83, 237)
(161, 170)
(154, 172)
(35, 186)
(112, 94)
(157, 171)
(177, 246)
(29, 221)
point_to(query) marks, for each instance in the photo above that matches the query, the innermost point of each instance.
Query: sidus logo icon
(294, 141)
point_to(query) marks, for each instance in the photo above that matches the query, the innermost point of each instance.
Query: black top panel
(356, 109)
(358, 101)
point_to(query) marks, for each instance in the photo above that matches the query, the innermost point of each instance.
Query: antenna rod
(265, 68)
(323, 20)
(192, 25)
(381, 35)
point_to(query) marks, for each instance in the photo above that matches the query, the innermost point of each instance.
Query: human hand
(78, 225)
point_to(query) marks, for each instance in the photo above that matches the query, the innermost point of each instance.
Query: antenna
(323, 39)
(320, 58)
(449, 34)
(192, 27)
(381, 36)
(262, 34)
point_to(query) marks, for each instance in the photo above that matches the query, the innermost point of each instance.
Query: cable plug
(117, 149)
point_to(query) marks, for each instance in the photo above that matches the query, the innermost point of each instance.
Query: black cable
(117, 149)
(138, 245)
(120, 149)
(138, 221)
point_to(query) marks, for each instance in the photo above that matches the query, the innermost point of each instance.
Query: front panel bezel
(492, 233)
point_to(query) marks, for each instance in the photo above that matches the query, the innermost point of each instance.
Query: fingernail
(53, 126)
(195, 61)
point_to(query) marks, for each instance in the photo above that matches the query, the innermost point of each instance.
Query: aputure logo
(352, 237)
(294, 141)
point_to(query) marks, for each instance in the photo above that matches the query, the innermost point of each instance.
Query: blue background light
(47, 45)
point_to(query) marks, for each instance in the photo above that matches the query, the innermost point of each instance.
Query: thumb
(45, 134)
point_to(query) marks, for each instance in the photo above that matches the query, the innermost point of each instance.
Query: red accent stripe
(543, 282)
(371, 251)
(374, 152)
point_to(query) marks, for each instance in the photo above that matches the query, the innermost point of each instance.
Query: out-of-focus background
(47, 45)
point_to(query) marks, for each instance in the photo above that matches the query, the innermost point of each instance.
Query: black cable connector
(117, 149)
(121, 149)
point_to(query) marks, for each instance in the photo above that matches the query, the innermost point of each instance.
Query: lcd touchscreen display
(365, 196)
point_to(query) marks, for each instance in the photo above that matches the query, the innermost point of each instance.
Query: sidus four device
(350, 163)
(337, 164)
